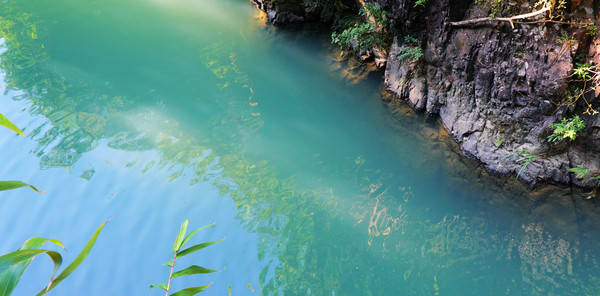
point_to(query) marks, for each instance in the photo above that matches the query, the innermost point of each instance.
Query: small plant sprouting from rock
(591, 29)
(182, 238)
(525, 157)
(584, 175)
(567, 129)
(580, 173)
(584, 72)
(498, 143)
(364, 34)
(567, 39)
(420, 3)
(411, 51)
(495, 6)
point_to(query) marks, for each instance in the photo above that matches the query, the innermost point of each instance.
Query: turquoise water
(148, 112)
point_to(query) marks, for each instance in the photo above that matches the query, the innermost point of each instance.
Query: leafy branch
(566, 129)
(180, 241)
(367, 33)
(588, 76)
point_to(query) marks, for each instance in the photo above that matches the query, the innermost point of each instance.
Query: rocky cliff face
(495, 88)
(287, 12)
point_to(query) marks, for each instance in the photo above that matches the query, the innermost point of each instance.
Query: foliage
(420, 3)
(499, 142)
(526, 157)
(591, 29)
(566, 129)
(495, 6)
(14, 264)
(364, 34)
(558, 8)
(411, 51)
(375, 11)
(580, 173)
(568, 40)
(8, 124)
(8, 185)
(583, 71)
(584, 175)
(180, 241)
(585, 79)
(359, 35)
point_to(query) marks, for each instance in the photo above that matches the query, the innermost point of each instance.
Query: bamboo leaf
(189, 236)
(180, 236)
(38, 242)
(194, 269)
(161, 286)
(13, 258)
(191, 291)
(12, 266)
(10, 278)
(8, 185)
(76, 262)
(8, 124)
(195, 248)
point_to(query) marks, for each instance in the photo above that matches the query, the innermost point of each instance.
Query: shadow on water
(348, 195)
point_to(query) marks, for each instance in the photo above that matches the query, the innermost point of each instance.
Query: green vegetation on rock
(367, 33)
(567, 129)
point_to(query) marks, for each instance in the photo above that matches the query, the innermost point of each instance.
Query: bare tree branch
(510, 20)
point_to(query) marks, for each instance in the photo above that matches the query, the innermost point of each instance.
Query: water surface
(147, 112)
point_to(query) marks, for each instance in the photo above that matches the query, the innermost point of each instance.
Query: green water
(150, 112)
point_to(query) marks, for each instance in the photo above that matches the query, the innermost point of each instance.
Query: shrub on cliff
(566, 129)
(411, 51)
(365, 34)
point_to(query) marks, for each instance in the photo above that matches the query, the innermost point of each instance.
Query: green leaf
(194, 269)
(12, 266)
(8, 185)
(76, 262)
(191, 291)
(6, 123)
(195, 248)
(38, 242)
(13, 258)
(169, 263)
(10, 278)
(180, 236)
(580, 173)
(189, 236)
(161, 286)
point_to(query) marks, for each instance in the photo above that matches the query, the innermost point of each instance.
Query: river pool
(148, 112)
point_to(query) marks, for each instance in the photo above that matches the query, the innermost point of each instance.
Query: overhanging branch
(510, 20)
